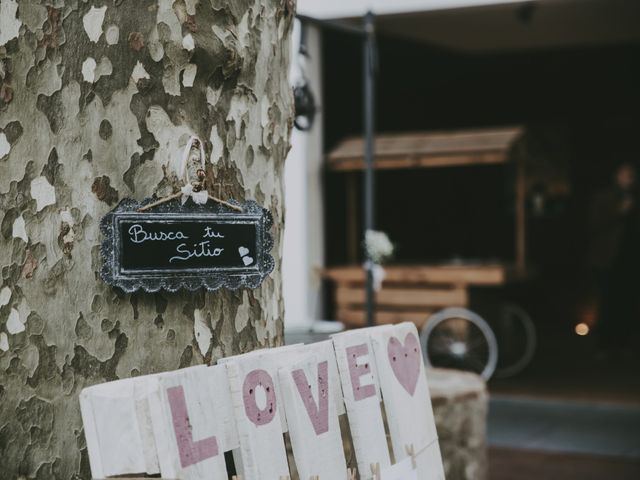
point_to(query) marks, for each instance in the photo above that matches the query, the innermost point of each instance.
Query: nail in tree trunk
(97, 100)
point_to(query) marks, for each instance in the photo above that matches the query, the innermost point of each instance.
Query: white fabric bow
(200, 197)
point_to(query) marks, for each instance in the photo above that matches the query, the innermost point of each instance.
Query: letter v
(191, 452)
(318, 412)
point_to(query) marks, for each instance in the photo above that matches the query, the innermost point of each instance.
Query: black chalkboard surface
(188, 246)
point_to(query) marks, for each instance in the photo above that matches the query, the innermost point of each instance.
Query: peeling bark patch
(202, 331)
(89, 70)
(104, 191)
(105, 130)
(83, 330)
(5, 146)
(88, 366)
(7, 222)
(5, 296)
(30, 265)
(136, 41)
(14, 325)
(159, 322)
(188, 43)
(9, 24)
(186, 358)
(92, 22)
(47, 367)
(112, 35)
(50, 170)
(139, 72)
(4, 342)
(19, 230)
(54, 109)
(67, 233)
(189, 75)
(35, 412)
(6, 94)
(13, 131)
(43, 193)
(51, 29)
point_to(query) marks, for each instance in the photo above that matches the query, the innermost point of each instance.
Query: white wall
(356, 8)
(304, 231)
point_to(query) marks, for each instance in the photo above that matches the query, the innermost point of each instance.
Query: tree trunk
(97, 100)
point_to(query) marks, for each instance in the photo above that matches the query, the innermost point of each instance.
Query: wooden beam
(431, 142)
(399, 162)
(404, 298)
(496, 274)
(354, 318)
(428, 149)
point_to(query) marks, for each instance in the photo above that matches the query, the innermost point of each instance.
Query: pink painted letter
(318, 413)
(254, 413)
(360, 392)
(191, 452)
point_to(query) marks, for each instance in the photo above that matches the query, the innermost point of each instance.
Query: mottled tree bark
(97, 99)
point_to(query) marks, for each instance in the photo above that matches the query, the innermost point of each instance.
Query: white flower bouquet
(378, 246)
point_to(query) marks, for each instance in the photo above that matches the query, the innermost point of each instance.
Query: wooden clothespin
(351, 473)
(236, 477)
(412, 453)
(285, 477)
(375, 470)
(314, 477)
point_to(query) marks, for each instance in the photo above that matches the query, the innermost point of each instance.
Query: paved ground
(509, 464)
(565, 426)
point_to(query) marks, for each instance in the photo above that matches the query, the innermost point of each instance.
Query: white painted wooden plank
(312, 416)
(114, 440)
(219, 383)
(406, 394)
(252, 380)
(361, 392)
(272, 358)
(188, 427)
(325, 349)
(429, 460)
(145, 390)
(91, 435)
(400, 471)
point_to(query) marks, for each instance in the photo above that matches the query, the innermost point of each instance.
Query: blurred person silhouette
(614, 256)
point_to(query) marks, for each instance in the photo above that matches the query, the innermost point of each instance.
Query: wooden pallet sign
(258, 410)
(189, 423)
(309, 400)
(362, 398)
(179, 424)
(407, 403)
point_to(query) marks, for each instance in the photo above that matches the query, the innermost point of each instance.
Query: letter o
(254, 413)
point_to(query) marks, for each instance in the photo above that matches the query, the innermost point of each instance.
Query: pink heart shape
(405, 361)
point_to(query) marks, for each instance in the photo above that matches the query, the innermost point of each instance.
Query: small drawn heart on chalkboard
(243, 251)
(247, 260)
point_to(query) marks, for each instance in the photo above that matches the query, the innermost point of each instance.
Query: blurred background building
(498, 123)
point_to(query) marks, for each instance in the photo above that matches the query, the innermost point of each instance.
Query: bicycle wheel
(459, 338)
(516, 336)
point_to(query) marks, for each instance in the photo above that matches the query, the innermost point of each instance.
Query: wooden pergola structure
(412, 292)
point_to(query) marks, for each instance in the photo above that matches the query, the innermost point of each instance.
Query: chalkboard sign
(175, 246)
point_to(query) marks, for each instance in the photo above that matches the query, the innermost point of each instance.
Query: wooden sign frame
(231, 275)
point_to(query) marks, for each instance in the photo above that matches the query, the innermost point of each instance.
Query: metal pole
(369, 152)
